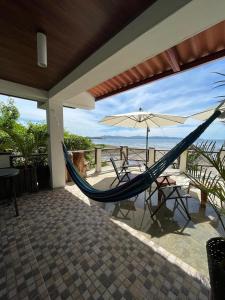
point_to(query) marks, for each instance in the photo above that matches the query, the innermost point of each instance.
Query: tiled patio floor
(62, 248)
(169, 229)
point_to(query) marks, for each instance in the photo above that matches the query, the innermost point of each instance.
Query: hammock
(142, 181)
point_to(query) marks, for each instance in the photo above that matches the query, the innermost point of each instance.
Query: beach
(164, 143)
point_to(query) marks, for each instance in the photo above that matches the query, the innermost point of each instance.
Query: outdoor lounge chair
(130, 163)
(179, 194)
(121, 176)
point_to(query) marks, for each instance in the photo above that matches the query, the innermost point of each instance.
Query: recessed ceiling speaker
(41, 50)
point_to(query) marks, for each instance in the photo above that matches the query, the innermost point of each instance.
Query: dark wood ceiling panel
(75, 29)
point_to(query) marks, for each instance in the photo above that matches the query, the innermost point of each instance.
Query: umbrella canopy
(142, 119)
(203, 115)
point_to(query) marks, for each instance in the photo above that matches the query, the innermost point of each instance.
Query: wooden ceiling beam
(172, 59)
(187, 66)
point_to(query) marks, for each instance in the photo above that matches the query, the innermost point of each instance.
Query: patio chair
(162, 181)
(179, 194)
(121, 176)
(130, 163)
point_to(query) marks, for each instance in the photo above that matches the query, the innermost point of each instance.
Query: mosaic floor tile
(62, 248)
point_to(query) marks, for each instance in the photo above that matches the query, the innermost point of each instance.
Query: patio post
(183, 161)
(151, 156)
(55, 153)
(126, 151)
(121, 152)
(98, 159)
(222, 154)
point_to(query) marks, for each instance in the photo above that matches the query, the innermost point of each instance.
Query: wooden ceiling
(75, 29)
(201, 48)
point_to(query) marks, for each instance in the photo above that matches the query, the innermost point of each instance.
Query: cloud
(183, 94)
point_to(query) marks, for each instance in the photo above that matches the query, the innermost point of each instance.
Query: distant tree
(5, 142)
(9, 114)
(22, 139)
(40, 134)
(32, 138)
(77, 142)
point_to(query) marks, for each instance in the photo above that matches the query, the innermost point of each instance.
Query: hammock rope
(142, 181)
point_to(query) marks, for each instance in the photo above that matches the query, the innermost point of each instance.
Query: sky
(183, 94)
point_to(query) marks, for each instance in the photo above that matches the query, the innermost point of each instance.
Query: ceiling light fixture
(41, 50)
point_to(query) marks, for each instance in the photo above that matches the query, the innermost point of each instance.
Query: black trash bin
(215, 248)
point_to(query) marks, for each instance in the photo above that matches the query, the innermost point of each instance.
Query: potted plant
(24, 146)
(39, 132)
(5, 161)
(25, 142)
(213, 184)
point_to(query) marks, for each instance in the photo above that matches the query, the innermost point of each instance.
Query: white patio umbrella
(142, 119)
(205, 114)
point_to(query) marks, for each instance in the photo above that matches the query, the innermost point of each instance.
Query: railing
(101, 157)
(137, 154)
(194, 158)
(115, 153)
(159, 153)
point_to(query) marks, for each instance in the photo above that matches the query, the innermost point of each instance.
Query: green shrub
(32, 138)
(76, 142)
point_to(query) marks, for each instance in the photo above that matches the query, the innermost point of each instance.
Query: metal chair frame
(179, 203)
(122, 176)
(126, 163)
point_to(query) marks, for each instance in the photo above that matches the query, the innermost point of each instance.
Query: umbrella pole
(147, 145)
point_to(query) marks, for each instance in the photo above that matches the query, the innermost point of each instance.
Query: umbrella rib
(116, 123)
(145, 119)
(169, 119)
(124, 119)
(153, 122)
(135, 124)
(109, 118)
(132, 118)
(146, 123)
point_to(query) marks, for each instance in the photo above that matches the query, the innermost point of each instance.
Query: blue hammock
(141, 182)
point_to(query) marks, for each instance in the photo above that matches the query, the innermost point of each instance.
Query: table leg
(160, 195)
(204, 197)
(14, 196)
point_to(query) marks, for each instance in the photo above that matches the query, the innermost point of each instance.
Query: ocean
(164, 143)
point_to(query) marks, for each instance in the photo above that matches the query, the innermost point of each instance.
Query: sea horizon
(164, 143)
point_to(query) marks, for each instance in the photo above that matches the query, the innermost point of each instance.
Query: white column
(151, 156)
(183, 161)
(98, 153)
(55, 153)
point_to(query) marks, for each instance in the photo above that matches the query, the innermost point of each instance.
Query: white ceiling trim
(84, 100)
(10, 88)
